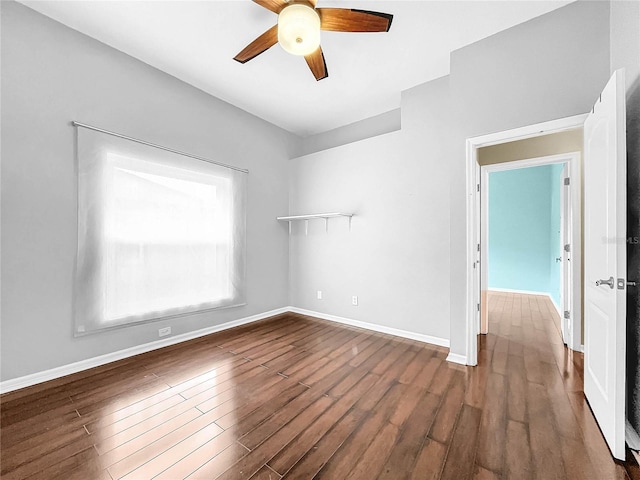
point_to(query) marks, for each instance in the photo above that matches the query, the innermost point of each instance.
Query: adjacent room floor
(304, 398)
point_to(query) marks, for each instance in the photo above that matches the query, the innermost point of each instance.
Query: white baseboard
(631, 436)
(457, 358)
(53, 373)
(64, 370)
(442, 342)
(523, 292)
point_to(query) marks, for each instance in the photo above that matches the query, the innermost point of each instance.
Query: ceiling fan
(299, 25)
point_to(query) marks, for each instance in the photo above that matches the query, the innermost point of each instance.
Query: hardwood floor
(299, 398)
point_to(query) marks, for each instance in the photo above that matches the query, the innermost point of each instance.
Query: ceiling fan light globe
(299, 29)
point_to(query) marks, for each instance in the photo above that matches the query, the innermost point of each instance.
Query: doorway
(526, 229)
(475, 242)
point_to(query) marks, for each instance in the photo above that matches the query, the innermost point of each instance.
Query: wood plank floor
(299, 398)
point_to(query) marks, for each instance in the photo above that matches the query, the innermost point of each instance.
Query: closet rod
(119, 135)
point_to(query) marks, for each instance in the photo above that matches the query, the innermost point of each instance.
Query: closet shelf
(306, 218)
(314, 215)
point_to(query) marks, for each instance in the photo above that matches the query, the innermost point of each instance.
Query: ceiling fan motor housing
(299, 29)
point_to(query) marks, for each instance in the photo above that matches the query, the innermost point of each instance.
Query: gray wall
(625, 53)
(52, 75)
(550, 67)
(395, 259)
(369, 127)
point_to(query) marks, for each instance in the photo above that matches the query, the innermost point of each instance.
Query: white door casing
(605, 260)
(485, 188)
(565, 252)
(479, 268)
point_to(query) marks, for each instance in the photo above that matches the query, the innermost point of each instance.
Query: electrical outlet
(319, 295)
(354, 300)
(163, 332)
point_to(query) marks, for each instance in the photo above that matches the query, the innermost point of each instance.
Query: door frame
(572, 162)
(472, 282)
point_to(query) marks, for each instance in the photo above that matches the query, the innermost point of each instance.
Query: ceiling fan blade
(274, 5)
(345, 20)
(265, 41)
(317, 64)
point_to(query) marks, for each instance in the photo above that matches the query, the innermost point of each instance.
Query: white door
(605, 259)
(564, 250)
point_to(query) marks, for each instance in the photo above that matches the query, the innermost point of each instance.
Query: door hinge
(478, 307)
(567, 314)
(567, 181)
(567, 247)
(478, 247)
(478, 187)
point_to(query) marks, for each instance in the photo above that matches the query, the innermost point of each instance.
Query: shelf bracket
(306, 218)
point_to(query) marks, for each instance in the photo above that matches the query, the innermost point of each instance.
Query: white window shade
(159, 234)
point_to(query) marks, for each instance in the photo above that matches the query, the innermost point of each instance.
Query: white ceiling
(196, 41)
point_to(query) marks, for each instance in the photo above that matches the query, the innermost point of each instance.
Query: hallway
(542, 423)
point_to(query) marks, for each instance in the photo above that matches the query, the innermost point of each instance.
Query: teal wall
(524, 229)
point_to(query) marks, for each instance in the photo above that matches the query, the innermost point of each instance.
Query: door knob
(605, 282)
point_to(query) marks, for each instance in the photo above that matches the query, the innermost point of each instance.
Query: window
(160, 234)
